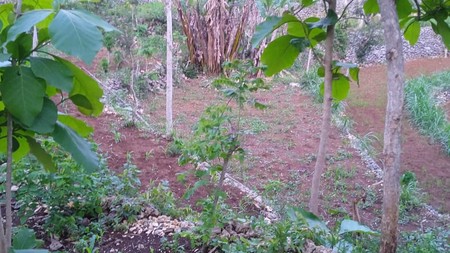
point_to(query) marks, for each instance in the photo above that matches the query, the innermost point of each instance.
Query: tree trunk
(393, 127)
(326, 117)
(169, 70)
(6, 229)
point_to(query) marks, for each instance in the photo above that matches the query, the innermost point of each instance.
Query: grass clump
(422, 102)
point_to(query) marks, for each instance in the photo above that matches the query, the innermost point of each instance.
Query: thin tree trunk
(6, 232)
(326, 117)
(169, 69)
(308, 64)
(393, 125)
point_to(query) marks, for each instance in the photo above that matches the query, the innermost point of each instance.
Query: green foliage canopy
(281, 53)
(30, 85)
(434, 12)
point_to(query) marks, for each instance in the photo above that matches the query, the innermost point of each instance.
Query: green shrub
(430, 241)
(77, 202)
(310, 82)
(154, 45)
(163, 199)
(151, 11)
(141, 30)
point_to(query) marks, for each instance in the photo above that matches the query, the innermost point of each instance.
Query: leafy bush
(310, 82)
(154, 45)
(163, 199)
(410, 195)
(430, 241)
(152, 11)
(76, 202)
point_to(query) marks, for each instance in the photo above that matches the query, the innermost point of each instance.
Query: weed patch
(423, 107)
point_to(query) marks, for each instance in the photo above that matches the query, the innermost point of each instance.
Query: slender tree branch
(345, 9)
(418, 9)
(8, 184)
(2, 233)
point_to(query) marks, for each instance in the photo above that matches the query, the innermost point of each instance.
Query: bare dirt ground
(367, 108)
(281, 144)
(284, 138)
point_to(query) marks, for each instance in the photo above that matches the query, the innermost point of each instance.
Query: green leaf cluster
(411, 16)
(282, 52)
(340, 83)
(33, 83)
(216, 136)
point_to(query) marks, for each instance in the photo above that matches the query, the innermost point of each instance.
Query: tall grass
(425, 112)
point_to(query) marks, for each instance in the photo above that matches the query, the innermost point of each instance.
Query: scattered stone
(55, 245)
(225, 234)
(310, 247)
(216, 231)
(160, 225)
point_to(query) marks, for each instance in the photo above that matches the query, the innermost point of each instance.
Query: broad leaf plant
(35, 81)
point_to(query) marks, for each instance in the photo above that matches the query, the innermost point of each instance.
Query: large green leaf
(297, 29)
(279, 54)
(300, 43)
(412, 33)
(54, 72)
(354, 74)
(78, 147)
(43, 157)
(306, 3)
(85, 89)
(341, 87)
(6, 12)
(75, 36)
(24, 238)
(94, 20)
(371, 7)
(314, 223)
(404, 8)
(36, 4)
(22, 94)
(46, 119)
(330, 19)
(20, 146)
(26, 22)
(272, 23)
(264, 29)
(79, 126)
(348, 226)
(316, 35)
(444, 31)
(21, 47)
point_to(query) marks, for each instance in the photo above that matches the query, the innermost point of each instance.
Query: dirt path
(367, 108)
